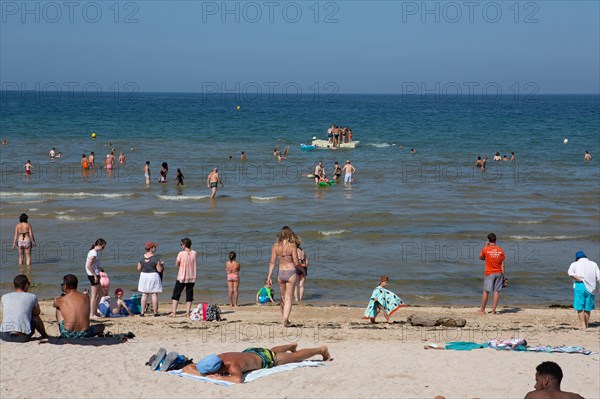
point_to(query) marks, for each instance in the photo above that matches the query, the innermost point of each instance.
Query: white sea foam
(112, 213)
(183, 197)
(75, 218)
(257, 198)
(332, 232)
(64, 212)
(545, 238)
(161, 212)
(33, 209)
(63, 195)
(528, 221)
(26, 202)
(425, 297)
(380, 145)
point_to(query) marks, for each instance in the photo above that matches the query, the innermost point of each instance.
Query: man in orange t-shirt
(494, 271)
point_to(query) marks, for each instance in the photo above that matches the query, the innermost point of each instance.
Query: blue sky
(343, 46)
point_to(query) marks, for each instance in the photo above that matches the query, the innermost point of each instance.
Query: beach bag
(136, 304)
(206, 312)
(199, 312)
(213, 313)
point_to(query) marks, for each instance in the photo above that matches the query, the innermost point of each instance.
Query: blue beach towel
(463, 346)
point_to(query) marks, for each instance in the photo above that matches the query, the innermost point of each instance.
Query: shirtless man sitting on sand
(231, 366)
(547, 383)
(73, 311)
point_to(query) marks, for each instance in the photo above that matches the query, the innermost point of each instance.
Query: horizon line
(227, 94)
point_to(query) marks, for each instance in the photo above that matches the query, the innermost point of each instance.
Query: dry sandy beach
(369, 360)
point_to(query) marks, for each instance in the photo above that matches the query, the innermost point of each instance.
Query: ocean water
(419, 218)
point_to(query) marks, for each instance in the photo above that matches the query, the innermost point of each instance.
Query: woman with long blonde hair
(285, 251)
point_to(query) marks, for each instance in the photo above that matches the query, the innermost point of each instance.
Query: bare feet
(372, 320)
(186, 315)
(482, 311)
(172, 315)
(287, 323)
(325, 352)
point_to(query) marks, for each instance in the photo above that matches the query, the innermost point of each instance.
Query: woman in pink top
(186, 277)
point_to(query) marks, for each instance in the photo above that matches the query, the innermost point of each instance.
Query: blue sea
(421, 218)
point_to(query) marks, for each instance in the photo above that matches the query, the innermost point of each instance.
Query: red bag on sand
(199, 313)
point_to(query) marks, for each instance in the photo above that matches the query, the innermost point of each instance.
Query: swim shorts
(266, 355)
(213, 184)
(64, 333)
(582, 299)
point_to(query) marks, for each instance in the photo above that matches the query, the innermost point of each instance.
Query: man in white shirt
(586, 279)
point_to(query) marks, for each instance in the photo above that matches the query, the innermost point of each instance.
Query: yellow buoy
(93, 135)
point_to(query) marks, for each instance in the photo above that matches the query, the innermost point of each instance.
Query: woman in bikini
(285, 250)
(24, 239)
(233, 278)
(301, 270)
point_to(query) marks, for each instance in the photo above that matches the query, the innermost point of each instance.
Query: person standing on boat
(336, 136)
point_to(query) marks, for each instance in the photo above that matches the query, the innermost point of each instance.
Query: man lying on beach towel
(231, 366)
(384, 300)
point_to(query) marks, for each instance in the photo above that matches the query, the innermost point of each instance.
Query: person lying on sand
(231, 366)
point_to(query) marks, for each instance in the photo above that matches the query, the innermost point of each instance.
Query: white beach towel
(253, 375)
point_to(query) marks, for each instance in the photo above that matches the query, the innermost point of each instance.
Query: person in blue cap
(231, 366)
(586, 279)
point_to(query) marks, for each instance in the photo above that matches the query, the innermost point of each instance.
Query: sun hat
(150, 244)
(579, 255)
(209, 364)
